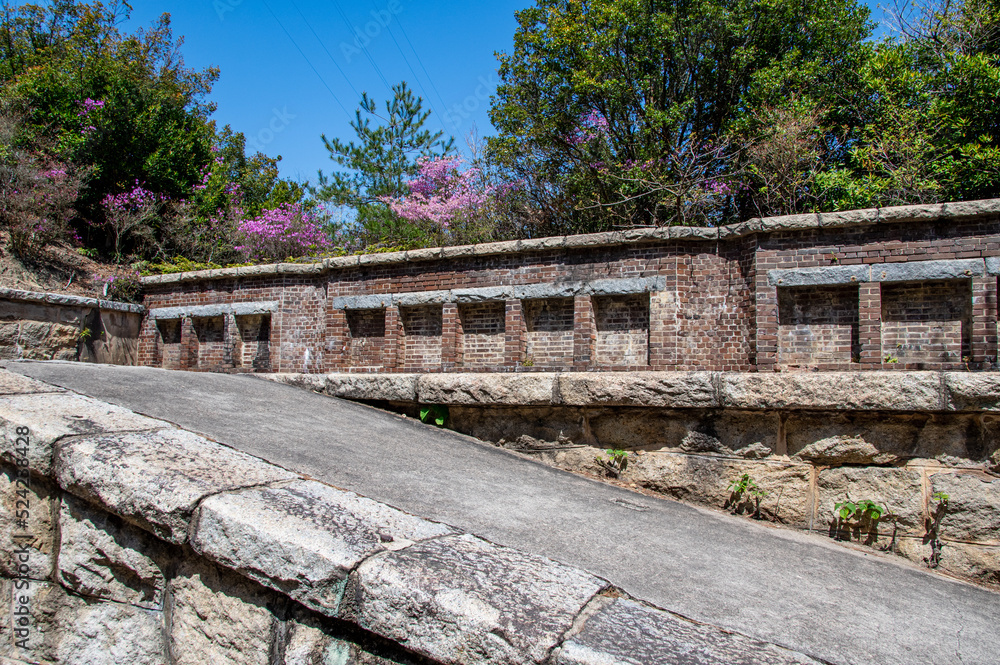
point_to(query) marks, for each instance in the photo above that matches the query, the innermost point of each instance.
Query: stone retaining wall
(127, 540)
(54, 326)
(809, 441)
(911, 287)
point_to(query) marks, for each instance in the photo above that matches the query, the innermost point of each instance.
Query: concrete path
(798, 590)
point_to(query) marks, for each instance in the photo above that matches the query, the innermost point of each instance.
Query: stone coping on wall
(952, 392)
(64, 300)
(893, 215)
(597, 287)
(209, 311)
(916, 271)
(402, 577)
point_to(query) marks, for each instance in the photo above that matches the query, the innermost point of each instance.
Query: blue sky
(295, 69)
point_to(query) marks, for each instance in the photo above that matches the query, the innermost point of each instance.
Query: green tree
(622, 112)
(380, 164)
(930, 114)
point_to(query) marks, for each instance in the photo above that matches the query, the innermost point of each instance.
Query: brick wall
(549, 332)
(927, 325)
(818, 328)
(481, 338)
(366, 343)
(421, 340)
(713, 307)
(622, 324)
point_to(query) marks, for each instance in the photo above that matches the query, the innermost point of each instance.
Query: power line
(329, 55)
(412, 71)
(363, 50)
(421, 63)
(306, 58)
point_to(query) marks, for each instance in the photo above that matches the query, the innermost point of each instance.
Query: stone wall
(52, 326)
(894, 288)
(809, 441)
(127, 540)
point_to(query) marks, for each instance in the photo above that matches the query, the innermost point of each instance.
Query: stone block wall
(809, 440)
(126, 540)
(883, 289)
(52, 326)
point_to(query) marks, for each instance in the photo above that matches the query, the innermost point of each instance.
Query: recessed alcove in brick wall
(169, 343)
(818, 327)
(254, 350)
(548, 332)
(211, 335)
(927, 324)
(366, 344)
(622, 324)
(482, 342)
(422, 327)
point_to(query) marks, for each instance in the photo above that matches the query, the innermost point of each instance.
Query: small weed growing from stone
(745, 490)
(857, 519)
(890, 360)
(528, 362)
(436, 414)
(616, 463)
(933, 535)
(86, 334)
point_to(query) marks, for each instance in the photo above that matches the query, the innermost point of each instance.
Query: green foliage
(621, 112)
(85, 335)
(435, 413)
(745, 489)
(379, 165)
(616, 462)
(123, 110)
(941, 498)
(860, 510)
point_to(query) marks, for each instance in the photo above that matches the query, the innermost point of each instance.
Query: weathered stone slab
(27, 530)
(979, 562)
(53, 416)
(375, 301)
(373, 387)
(513, 389)
(418, 298)
(822, 276)
(707, 479)
(973, 512)
(900, 490)
(156, 479)
(304, 538)
(460, 599)
(313, 382)
(73, 630)
(103, 557)
(624, 286)
(848, 217)
(834, 391)
(549, 290)
(910, 213)
(483, 294)
(311, 641)
(219, 617)
(789, 222)
(916, 271)
(626, 632)
(12, 383)
(661, 389)
(979, 391)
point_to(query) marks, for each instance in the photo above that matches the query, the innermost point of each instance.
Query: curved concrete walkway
(797, 590)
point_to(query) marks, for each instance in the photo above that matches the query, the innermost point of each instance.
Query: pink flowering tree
(130, 214)
(288, 231)
(449, 202)
(37, 202)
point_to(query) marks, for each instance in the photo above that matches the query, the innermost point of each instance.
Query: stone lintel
(207, 311)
